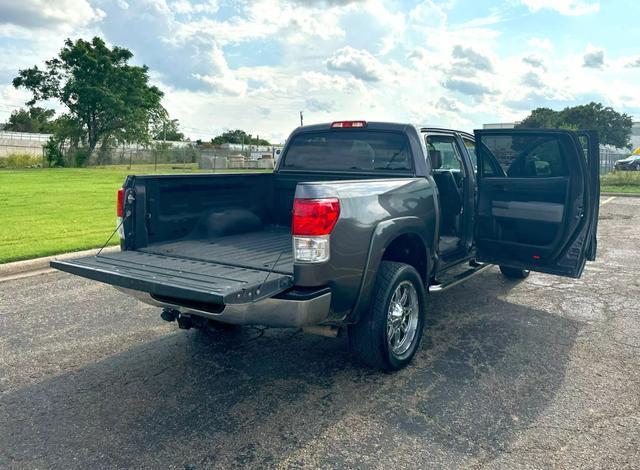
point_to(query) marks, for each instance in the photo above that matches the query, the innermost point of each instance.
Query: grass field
(55, 210)
(621, 182)
(50, 211)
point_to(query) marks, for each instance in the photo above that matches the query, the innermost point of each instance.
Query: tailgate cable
(126, 216)
(273, 266)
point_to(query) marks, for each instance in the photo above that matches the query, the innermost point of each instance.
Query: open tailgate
(179, 278)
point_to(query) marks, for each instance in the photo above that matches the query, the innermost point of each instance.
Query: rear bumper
(274, 312)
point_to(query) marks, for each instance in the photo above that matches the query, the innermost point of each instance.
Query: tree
(33, 119)
(613, 128)
(237, 137)
(167, 129)
(540, 118)
(106, 97)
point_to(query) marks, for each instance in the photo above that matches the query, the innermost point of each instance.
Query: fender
(383, 235)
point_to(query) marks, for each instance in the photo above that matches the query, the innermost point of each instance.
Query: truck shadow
(488, 367)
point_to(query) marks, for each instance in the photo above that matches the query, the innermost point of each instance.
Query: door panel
(591, 146)
(533, 195)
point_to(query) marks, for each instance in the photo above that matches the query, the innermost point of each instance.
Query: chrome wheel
(402, 318)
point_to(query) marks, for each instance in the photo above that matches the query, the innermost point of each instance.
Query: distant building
(635, 135)
(254, 152)
(500, 125)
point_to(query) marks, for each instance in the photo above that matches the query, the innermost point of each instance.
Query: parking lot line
(607, 201)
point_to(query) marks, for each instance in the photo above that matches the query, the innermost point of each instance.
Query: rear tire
(388, 335)
(514, 273)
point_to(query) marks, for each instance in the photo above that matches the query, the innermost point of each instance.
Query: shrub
(53, 152)
(80, 156)
(621, 178)
(20, 160)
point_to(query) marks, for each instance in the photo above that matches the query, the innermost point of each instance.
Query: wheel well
(408, 248)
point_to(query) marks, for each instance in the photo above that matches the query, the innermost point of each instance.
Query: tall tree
(33, 119)
(614, 128)
(105, 95)
(237, 137)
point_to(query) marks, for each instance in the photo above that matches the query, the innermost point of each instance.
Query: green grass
(55, 210)
(620, 182)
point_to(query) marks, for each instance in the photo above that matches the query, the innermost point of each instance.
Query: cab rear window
(349, 150)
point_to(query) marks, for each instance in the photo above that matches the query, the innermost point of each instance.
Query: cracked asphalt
(543, 373)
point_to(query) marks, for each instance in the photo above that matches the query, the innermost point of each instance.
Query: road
(534, 374)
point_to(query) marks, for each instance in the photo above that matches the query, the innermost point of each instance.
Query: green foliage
(53, 152)
(105, 96)
(613, 128)
(621, 178)
(167, 129)
(33, 119)
(81, 155)
(20, 160)
(237, 137)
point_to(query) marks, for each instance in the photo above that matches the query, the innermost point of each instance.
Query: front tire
(514, 273)
(389, 334)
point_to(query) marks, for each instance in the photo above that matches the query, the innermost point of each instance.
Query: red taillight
(348, 124)
(120, 203)
(312, 217)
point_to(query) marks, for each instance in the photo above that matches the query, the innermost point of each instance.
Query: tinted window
(349, 150)
(527, 156)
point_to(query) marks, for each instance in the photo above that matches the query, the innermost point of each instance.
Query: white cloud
(222, 78)
(535, 61)
(316, 105)
(185, 7)
(472, 59)
(541, 43)
(564, 7)
(359, 63)
(467, 87)
(533, 80)
(634, 62)
(46, 14)
(593, 58)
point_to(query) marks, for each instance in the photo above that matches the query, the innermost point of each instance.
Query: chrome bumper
(279, 313)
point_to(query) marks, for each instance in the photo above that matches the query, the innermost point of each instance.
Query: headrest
(436, 159)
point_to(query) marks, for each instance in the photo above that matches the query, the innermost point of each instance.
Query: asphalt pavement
(541, 373)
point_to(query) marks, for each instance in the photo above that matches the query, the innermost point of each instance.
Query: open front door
(536, 207)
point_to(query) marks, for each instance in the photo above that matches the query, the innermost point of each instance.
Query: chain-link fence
(608, 158)
(159, 156)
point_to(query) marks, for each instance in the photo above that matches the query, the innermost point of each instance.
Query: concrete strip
(41, 265)
(621, 194)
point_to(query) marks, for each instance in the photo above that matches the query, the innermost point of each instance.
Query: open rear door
(536, 200)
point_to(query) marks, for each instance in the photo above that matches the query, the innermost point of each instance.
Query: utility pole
(301, 119)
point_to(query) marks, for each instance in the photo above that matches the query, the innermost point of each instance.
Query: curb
(42, 264)
(621, 194)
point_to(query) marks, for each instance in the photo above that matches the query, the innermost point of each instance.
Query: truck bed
(268, 249)
(233, 269)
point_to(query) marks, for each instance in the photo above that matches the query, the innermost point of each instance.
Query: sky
(255, 65)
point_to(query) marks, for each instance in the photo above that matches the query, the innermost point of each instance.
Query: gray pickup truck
(356, 225)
